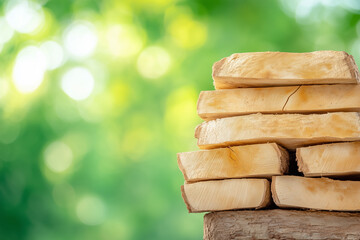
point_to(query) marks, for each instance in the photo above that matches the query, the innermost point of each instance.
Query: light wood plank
(226, 194)
(289, 130)
(337, 159)
(293, 99)
(315, 193)
(258, 69)
(258, 160)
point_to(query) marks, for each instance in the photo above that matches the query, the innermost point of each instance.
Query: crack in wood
(287, 100)
(231, 157)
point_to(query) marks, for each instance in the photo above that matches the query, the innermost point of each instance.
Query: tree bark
(281, 224)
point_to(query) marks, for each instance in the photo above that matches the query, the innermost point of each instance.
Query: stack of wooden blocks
(269, 109)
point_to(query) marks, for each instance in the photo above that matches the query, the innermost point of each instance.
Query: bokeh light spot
(124, 40)
(78, 83)
(80, 39)
(54, 54)
(91, 210)
(29, 69)
(6, 31)
(153, 62)
(58, 157)
(24, 16)
(187, 32)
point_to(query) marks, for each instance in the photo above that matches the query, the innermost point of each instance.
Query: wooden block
(315, 193)
(258, 160)
(258, 69)
(281, 224)
(226, 194)
(289, 130)
(337, 159)
(293, 99)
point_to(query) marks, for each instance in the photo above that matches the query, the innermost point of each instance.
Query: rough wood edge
(352, 66)
(266, 199)
(181, 167)
(284, 158)
(302, 167)
(199, 101)
(183, 195)
(215, 69)
(198, 130)
(273, 191)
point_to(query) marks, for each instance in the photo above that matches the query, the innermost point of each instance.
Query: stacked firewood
(269, 110)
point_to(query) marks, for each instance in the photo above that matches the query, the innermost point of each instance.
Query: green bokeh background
(119, 145)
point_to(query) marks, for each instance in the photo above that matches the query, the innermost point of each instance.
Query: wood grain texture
(209, 196)
(293, 99)
(281, 224)
(280, 69)
(257, 160)
(337, 159)
(315, 193)
(288, 130)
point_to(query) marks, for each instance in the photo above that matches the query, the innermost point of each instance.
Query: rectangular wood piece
(289, 130)
(256, 69)
(281, 224)
(227, 194)
(337, 159)
(258, 160)
(315, 193)
(291, 99)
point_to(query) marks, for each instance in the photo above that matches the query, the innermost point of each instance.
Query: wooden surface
(289, 130)
(336, 159)
(292, 99)
(281, 68)
(281, 224)
(257, 160)
(315, 193)
(226, 194)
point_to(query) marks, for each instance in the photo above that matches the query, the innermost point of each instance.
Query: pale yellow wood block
(292, 99)
(257, 69)
(288, 130)
(228, 194)
(337, 159)
(258, 160)
(315, 193)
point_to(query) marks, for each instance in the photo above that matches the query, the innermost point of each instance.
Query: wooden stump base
(281, 224)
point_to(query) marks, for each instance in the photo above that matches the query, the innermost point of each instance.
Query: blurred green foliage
(97, 97)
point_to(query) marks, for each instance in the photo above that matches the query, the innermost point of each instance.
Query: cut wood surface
(281, 224)
(315, 193)
(281, 68)
(293, 99)
(337, 159)
(289, 130)
(226, 194)
(258, 160)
